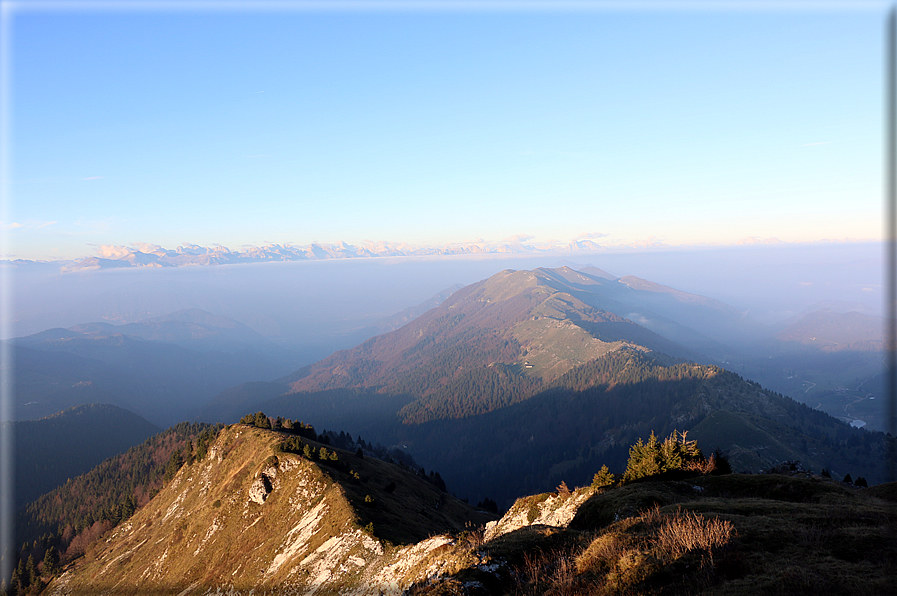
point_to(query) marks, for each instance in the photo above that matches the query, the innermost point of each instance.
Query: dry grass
(627, 556)
(732, 535)
(684, 532)
(550, 573)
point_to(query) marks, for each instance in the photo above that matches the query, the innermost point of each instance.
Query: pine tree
(174, 464)
(603, 478)
(261, 420)
(654, 457)
(51, 561)
(31, 572)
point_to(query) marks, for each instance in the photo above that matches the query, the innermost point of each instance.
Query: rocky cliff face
(247, 519)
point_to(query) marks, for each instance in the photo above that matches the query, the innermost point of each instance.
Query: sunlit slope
(495, 342)
(248, 518)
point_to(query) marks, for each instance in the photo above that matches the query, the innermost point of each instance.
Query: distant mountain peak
(512, 332)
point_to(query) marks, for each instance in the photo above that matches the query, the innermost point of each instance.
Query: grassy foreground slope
(252, 517)
(727, 535)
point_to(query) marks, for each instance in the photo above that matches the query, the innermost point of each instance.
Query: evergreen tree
(51, 561)
(189, 458)
(31, 572)
(654, 457)
(174, 464)
(19, 581)
(488, 504)
(261, 420)
(603, 478)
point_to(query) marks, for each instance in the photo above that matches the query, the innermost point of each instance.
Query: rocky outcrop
(549, 509)
(243, 520)
(262, 487)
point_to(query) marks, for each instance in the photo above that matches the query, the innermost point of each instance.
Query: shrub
(563, 490)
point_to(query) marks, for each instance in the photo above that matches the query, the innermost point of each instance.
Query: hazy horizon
(279, 298)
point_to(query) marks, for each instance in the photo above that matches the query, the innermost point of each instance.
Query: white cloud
(518, 238)
(29, 224)
(110, 251)
(93, 178)
(758, 240)
(146, 247)
(592, 235)
(638, 318)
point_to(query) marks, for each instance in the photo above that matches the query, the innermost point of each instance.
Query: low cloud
(146, 247)
(30, 225)
(638, 318)
(759, 240)
(592, 235)
(93, 178)
(518, 238)
(110, 251)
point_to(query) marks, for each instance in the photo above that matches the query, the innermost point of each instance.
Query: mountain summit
(511, 335)
(530, 378)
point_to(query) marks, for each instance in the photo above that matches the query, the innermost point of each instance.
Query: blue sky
(244, 128)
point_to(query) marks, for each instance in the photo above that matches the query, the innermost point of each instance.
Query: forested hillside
(69, 517)
(589, 417)
(69, 443)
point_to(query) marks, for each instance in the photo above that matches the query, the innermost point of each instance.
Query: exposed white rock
(556, 510)
(260, 489)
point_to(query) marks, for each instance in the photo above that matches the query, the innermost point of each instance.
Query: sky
(686, 126)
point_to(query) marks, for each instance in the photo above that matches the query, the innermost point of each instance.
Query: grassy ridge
(728, 535)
